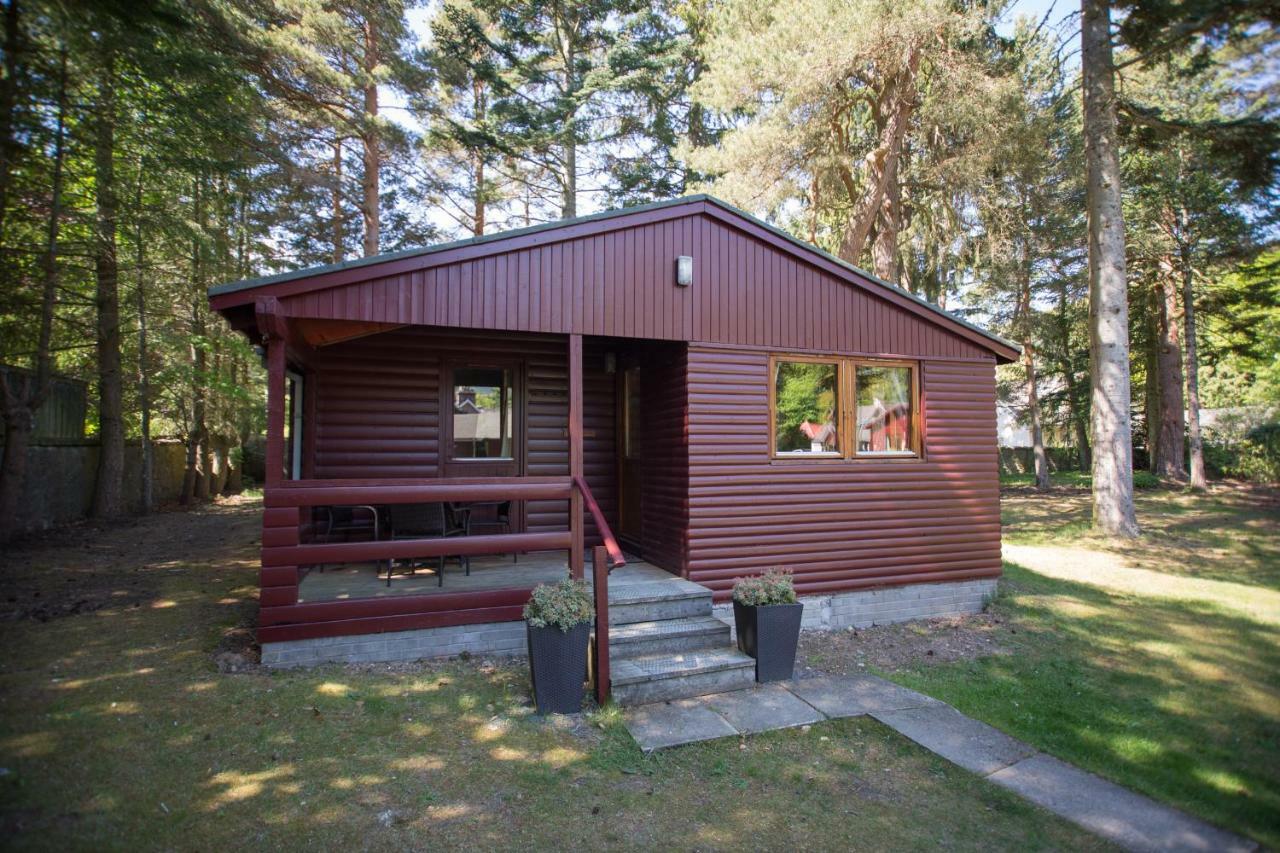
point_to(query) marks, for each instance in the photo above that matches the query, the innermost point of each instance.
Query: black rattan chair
(425, 521)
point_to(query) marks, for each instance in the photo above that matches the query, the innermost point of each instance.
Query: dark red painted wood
(839, 524)
(386, 624)
(401, 549)
(751, 288)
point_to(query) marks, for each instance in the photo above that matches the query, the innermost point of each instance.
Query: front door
(630, 457)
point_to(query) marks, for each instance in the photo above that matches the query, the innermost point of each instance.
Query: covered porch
(368, 580)
(529, 451)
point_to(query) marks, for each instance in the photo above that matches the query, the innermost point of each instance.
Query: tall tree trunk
(9, 90)
(1170, 447)
(480, 109)
(339, 239)
(1037, 427)
(1075, 403)
(1199, 481)
(20, 407)
(372, 155)
(1113, 511)
(884, 250)
(897, 103)
(1024, 322)
(198, 437)
(1151, 388)
(108, 495)
(144, 376)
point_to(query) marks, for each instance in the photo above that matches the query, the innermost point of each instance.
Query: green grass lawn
(1154, 663)
(117, 730)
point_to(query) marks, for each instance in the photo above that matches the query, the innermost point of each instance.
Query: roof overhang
(232, 297)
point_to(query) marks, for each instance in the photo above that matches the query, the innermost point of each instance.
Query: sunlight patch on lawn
(560, 757)
(1111, 572)
(1226, 782)
(419, 762)
(506, 753)
(240, 786)
(31, 744)
(333, 688)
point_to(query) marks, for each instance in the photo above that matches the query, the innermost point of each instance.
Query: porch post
(275, 411)
(575, 456)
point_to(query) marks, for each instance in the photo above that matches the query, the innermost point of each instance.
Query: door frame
(634, 539)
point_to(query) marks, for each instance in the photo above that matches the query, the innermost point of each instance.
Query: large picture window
(806, 408)
(843, 408)
(483, 413)
(884, 413)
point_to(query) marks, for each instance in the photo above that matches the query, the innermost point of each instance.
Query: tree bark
(898, 102)
(1199, 481)
(1024, 322)
(20, 407)
(372, 155)
(884, 250)
(108, 496)
(144, 377)
(1113, 511)
(339, 249)
(9, 90)
(480, 107)
(1170, 448)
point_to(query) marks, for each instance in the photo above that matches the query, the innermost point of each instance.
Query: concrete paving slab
(1117, 814)
(762, 709)
(961, 740)
(664, 724)
(856, 695)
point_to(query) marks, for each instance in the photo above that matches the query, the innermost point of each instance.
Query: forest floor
(1154, 663)
(132, 715)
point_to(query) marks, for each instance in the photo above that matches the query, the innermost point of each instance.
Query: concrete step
(656, 601)
(638, 639)
(679, 675)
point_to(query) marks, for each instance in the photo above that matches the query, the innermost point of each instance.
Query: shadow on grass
(1178, 699)
(116, 727)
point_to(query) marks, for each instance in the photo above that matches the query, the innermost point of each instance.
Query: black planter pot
(558, 662)
(769, 634)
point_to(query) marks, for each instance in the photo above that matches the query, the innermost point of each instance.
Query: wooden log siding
(746, 292)
(839, 524)
(377, 411)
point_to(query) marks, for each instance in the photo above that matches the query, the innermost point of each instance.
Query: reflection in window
(806, 408)
(483, 411)
(884, 410)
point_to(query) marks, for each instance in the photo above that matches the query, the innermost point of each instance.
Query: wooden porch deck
(355, 581)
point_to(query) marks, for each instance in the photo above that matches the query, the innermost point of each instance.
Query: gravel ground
(903, 646)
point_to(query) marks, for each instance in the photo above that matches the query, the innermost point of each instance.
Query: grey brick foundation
(492, 638)
(864, 608)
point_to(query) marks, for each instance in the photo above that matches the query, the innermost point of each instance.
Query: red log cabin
(679, 387)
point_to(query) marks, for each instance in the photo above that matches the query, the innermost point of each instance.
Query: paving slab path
(1117, 814)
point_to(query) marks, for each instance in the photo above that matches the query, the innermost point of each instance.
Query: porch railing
(604, 558)
(283, 548)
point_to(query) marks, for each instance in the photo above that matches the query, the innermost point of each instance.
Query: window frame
(827, 455)
(846, 383)
(492, 466)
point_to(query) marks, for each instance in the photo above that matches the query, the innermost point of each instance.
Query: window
(884, 410)
(293, 426)
(806, 408)
(483, 401)
(843, 408)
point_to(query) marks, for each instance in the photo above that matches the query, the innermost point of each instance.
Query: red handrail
(600, 568)
(606, 533)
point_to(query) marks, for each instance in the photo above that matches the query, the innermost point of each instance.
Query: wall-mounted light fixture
(610, 362)
(684, 270)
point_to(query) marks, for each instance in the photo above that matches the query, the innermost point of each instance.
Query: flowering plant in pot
(558, 621)
(767, 617)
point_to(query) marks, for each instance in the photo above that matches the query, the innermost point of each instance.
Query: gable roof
(330, 275)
